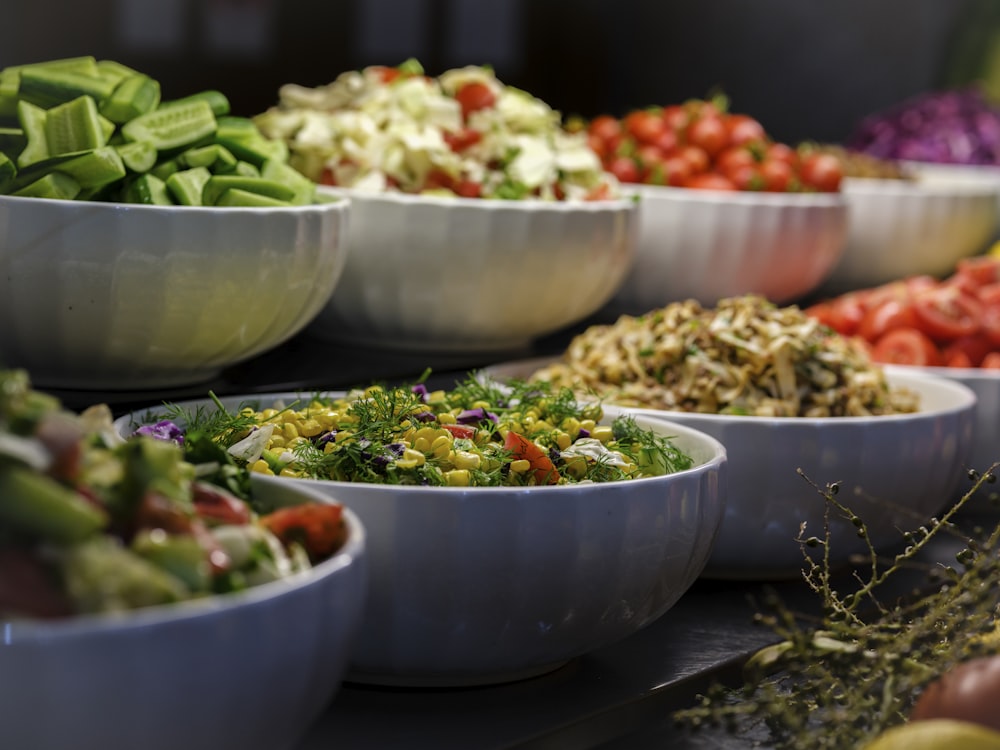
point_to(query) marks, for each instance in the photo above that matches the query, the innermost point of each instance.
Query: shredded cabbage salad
(462, 133)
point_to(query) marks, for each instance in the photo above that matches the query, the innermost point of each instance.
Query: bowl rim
(325, 203)
(831, 201)
(973, 374)
(922, 188)
(349, 555)
(391, 198)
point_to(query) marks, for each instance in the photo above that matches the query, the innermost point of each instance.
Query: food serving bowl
(901, 228)
(468, 274)
(251, 669)
(97, 295)
(490, 584)
(894, 472)
(709, 244)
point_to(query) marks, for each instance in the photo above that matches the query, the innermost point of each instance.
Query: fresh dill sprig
(838, 683)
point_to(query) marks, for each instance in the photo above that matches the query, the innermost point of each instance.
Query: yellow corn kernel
(276, 441)
(575, 466)
(327, 419)
(330, 446)
(343, 435)
(265, 414)
(295, 441)
(310, 427)
(441, 446)
(435, 397)
(540, 426)
(602, 432)
(421, 444)
(466, 460)
(411, 459)
(447, 418)
(260, 466)
(289, 431)
(286, 472)
(571, 425)
(563, 440)
(587, 424)
(520, 466)
(457, 478)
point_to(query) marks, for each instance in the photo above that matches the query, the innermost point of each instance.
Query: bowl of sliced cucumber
(148, 242)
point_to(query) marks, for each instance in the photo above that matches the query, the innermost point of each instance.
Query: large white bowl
(900, 228)
(708, 245)
(464, 274)
(250, 670)
(100, 295)
(895, 472)
(490, 584)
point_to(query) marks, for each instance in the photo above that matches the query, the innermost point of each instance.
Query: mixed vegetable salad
(746, 357)
(91, 522)
(480, 434)
(462, 133)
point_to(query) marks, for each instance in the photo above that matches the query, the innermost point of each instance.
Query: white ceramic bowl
(900, 228)
(896, 471)
(100, 295)
(490, 584)
(708, 245)
(250, 670)
(463, 274)
(986, 448)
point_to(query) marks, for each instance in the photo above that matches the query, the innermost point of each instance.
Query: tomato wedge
(520, 447)
(990, 322)
(891, 313)
(991, 361)
(318, 527)
(461, 430)
(947, 313)
(906, 346)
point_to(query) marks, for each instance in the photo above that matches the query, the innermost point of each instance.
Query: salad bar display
(452, 421)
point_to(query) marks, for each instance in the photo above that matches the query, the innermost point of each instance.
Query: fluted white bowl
(901, 228)
(895, 472)
(464, 274)
(98, 295)
(708, 245)
(490, 584)
(249, 670)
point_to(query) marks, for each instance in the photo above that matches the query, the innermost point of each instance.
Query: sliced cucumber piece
(279, 171)
(8, 172)
(186, 186)
(38, 505)
(246, 169)
(12, 141)
(133, 96)
(172, 126)
(218, 101)
(96, 168)
(48, 87)
(74, 126)
(36, 146)
(236, 197)
(139, 156)
(213, 156)
(147, 189)
(110, 70)
(53, 185)
(165, 167)
(217, 185)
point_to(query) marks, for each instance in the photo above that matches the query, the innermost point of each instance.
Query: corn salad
(478, 434)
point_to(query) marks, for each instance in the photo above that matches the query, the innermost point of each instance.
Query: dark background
(808, 69)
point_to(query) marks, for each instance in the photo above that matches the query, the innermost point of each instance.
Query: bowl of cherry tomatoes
(949, 328)
(724, 209)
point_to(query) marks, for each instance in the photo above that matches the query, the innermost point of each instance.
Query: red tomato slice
(906, 346)
(957, 359)
(846, 313)
(990, 322)
(318, 527)
(975, 347)
(886, 316)
(989, 294)
(521, 447)
(475, 95)
(947, 313)
(981, 269)
(215, 505)
(991, 361)
(710, 181)
(461, 430)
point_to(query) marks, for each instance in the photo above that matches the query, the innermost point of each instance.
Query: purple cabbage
(475, 416)
(162, 430)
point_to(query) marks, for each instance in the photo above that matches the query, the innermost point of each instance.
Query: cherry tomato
(989, 321)
(709, 133)
(782, 152)
(215, 505)
(667, 141)
(991, 361)
(474, 96)
(467, 188)
(974, 347)
(906, 346)
(605, 127)
(846, 312)
(697, 157)
(676, 117)
(463, 139)
(645, 126)
(747, 177)
(710, 181)
(822, 171)
(521, 447)
(946, 313)
(889, 314)
(318, 527)
(624, 168)
(743, 129)
(677, 170)
(734, 158)
(776, 175)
